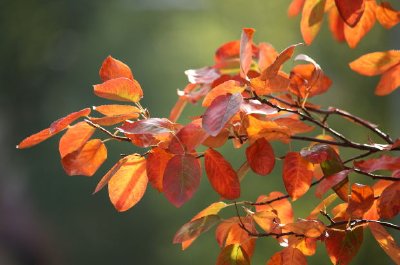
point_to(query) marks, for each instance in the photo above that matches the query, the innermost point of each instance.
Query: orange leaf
(388, 202)
(267, 220)
(233, 255)
(354, 34)
(35, 139)
(297, 175)
(322, 206)
(386, 15)
(195, 228)
(221, 175)
(280, 205)
(121, 89)
(384, 162)
(274, 84)
(246, 51)
(294, 124)
(63, 123)
(308, 228)
(336, 24)
(308, 246)
(295, 7)
(177, 109)
(230, 86)
(331, 181)
(128, 184)
(375, 63)
(360, 200)
(269, 130)
(114, 109)
(267, 55)
(288, 256)
(227, 51)
(342, 246)
(75, 137)
(112, 120)
(390, 81)
(261, 157)
(181, 179)
(216, 141)
(157, 161)
(274, 68)
(113, 68)
(386, 241)
(311, 19)
(350, 11)
(86, 160)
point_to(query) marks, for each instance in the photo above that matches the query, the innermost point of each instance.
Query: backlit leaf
(336, 25)
(261, 157)
(297, 175)
(308, 228)
(113, 68)
(181, 178)
(114, 109)
(384, 162)
(205, 75)
(288, 256)
(230, 86)
(388, 202)
(75, 137)
(86, 160)
(295, 7)
(152, 126)
(233, 255)
(375, 63)
(308, 246)
(120, 89)
(227, 51)
(386, 241)
(188, 138)
(246, 51)
(35, 139)
(221, 110)
(311, 20)
(386, 15)
(280, 205)
(360, 200)
(330, 181)
(267, 220)
(274, 68)
(322, 206)
(128, 184)
(63, 123)
(221, 175)
(157, 160)
(350, 11)
(267, 55)
(195, 228)
(269, 130)
(112, 120)
(389, 82)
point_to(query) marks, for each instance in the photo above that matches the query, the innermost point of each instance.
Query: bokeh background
(50, 55)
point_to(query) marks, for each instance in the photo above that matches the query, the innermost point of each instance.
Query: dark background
(50, 55)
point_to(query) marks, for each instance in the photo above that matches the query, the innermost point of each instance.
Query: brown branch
(359, 156)
(113, 136)
(373, 176)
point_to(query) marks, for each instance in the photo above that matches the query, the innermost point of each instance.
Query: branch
(373, 176)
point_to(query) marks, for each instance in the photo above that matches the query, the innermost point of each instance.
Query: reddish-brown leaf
(342, 246)
(63, 123)
(35, 139)
(386, 241)
(331, 181)
(308, 228)
(75, 137)
(157, 160)
(386, 15)
(181, 178)
(113, 68)
(188, 138)
(261, 157)
(86, 160)
(221, 110)
(295, 7)
(279, 204)
(222, 176)
(121, 89)
(375, 63)
(336, 24)
(384, 162)
(350, 11)
(297, 175)
(195, 228)
(388, 202)
(230, 86)
(227, 51)
(114, 109)
(246, 51)
(354, 34)
(311, 19)
(233, 254)
(128, 184)
(389, 82)
(360, 200)
(288, 256)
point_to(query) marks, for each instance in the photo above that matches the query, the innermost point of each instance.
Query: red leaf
(350, 11)
(261, 157)
(221, 175)
(297, 175)
(63, 123)
(86, 160)
(360, 200)
(280, 205)
(384, 162)
(181, 178)
(342, 246)
(128, 184)
(151, 126)
(157, 161)
(75, 137)
(246, 51)
(121, 89)
(311, 19)
(386, 241)
(233, 255)
(227, 51)
(331, 181)
(336, 25)
(388, 202)
(195, 228)
(295, 7)
(221, 110)
(188, 138)
(113, 68)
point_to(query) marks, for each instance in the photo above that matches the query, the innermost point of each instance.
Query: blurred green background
(50, 55)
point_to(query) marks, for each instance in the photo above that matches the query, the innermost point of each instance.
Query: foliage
(250, 101)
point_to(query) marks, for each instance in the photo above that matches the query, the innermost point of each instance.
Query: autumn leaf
(151, 126)
(385, 241)
(120, 89)
(128, 183)
(188, 138)
(351, 11)
(221, 175)
(288, 256)
(322, 206)
(205, 75)
(376, 63)
(181, 178)
(75, 137)
(195, 228)
(113, 68)
(86, 160)
(157, 160)
(360, 200)
(331, 181)
(221, 110)
(278, 203)
(389, 82)
(227, 51)
(336, 25)
(112, 120)
(295, 7)
(269, 130)
(261, 157)
(311, 19)
(308, 246)
(267, 220)
(271, 71)
(308, 228)
(267, 55)
(383, 162)
(35, 139)
(386, 15)
(297, 175)
(115, 109)
(388, 202)
(230, 86)
(233, 255)
(246, 51)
